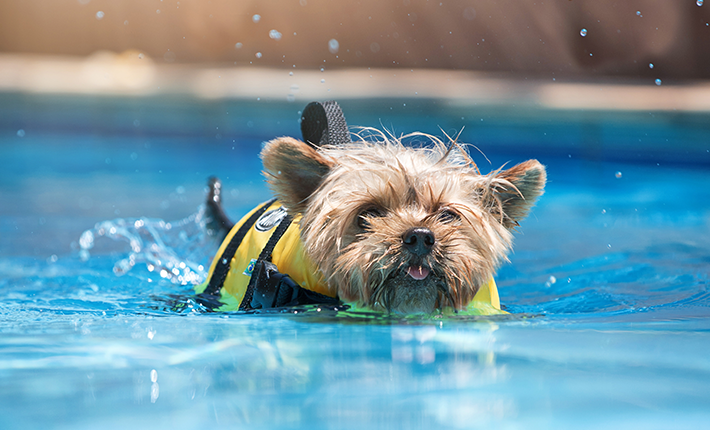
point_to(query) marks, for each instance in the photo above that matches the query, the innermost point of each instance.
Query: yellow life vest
(289, 257)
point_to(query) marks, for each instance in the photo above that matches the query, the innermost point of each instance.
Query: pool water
(608, 284)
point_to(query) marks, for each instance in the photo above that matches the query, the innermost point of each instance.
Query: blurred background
(148, 46)
(530, 38)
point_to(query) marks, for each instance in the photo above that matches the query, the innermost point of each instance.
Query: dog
(376, 224)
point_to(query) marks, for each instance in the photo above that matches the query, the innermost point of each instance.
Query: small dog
(389, 227)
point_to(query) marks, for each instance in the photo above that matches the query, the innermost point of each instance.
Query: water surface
(608, 283)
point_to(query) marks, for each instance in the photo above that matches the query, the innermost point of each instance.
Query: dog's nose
(418, 241)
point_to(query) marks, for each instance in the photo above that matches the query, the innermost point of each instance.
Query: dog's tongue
(418, 272)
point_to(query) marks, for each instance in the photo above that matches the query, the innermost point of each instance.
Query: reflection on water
(259, 370)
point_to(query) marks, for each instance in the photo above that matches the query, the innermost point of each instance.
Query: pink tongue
(418, 273)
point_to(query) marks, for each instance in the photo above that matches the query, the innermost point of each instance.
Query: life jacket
(265, 247)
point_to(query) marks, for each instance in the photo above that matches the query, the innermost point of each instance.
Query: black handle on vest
(274, 289)
(323, 123)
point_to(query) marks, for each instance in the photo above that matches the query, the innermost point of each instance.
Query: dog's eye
(364, 217)
(447, 216)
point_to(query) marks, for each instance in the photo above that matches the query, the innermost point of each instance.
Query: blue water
(608, 284)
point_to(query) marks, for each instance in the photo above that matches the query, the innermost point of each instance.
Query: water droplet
(256, 18)
(551, 280)
(609, 246)
(618, 175)
(274, 34)
(322, 81)
(650, 65)
(658, 82)
(638, 13)
(290, 73)
(258, 55)
(699, 2)
(322, 69)
(157, 11)
(603, 211)
(375, 47)
(20, 133)
(583, 32)
(238, 45)
(99, 15)
(333, 46)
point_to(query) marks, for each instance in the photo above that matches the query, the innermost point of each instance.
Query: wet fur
(397, 188)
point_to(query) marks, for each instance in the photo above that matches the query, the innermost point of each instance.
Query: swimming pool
(608, 281)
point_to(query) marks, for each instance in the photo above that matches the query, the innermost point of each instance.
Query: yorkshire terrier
(376, 224)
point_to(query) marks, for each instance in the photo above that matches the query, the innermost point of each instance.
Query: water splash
(177, 251)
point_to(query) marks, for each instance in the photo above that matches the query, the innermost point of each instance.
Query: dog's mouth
(418, 272)
(414, 287)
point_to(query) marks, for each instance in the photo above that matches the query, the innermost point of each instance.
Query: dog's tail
(218, 223)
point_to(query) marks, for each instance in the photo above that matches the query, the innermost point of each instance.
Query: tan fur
(396, 189)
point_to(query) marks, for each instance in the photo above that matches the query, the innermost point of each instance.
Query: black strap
(275, 290)
(221, 269)
(324, 124)
(264, 256)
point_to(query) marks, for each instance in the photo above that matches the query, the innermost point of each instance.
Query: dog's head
(401, 229)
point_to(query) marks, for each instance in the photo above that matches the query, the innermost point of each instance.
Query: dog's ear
(294, 170)
(528, 183)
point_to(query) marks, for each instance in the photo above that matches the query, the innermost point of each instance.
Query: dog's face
(401, 229)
